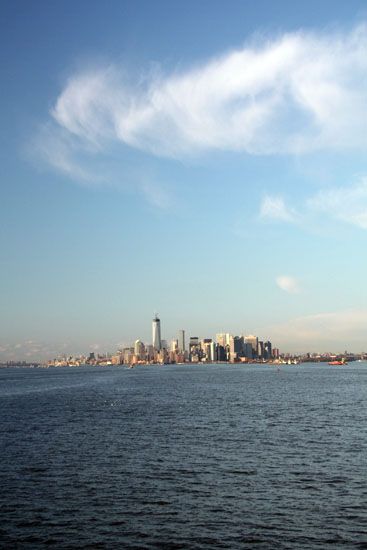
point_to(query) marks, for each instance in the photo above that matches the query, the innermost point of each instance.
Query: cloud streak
(346, 203)
(294, 94)
(274, 208)
(327, 330)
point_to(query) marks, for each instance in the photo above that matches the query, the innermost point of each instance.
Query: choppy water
(184, 457)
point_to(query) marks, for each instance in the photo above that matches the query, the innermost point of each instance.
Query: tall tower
(156, 327)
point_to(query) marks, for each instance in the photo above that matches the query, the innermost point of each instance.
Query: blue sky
(205, 160)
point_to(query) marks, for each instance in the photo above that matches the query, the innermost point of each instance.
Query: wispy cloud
(322, 331)
(157, 195)
(32, 350)
(69, 155)
(296, 93)
(288, 284)
(274, 208)
(346, 203)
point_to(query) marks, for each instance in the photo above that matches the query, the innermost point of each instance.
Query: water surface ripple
(184, 456)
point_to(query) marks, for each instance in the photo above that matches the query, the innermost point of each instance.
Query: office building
(139, 349)
(181, 341)
(194, 349)
(208, 349)
(253, 340)
(156, 330)
(223, 339)
(268, 353)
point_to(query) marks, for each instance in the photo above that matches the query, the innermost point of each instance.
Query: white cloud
(348, 203)
(288, 284)
(297, 93)
(157, 195)
(66, 153)
(274, 208)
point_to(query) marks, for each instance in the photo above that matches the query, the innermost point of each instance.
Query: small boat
(342, 362)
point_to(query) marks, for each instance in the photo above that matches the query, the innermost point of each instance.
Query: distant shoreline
(36, 365)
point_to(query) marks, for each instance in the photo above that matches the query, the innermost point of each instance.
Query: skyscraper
(194, 349)
(253, 340)
(139, 349)
(223, 339)
(208, 349)
(181, 341)
(267, 350)
(156, 327)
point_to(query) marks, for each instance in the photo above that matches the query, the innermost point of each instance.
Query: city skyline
(222, 347)
(207, 161)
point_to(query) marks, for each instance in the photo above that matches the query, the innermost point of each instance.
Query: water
(184, 456)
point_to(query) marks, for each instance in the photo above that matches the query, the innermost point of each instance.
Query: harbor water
(185, 456)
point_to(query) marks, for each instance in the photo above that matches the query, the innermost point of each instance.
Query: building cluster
(225, 348)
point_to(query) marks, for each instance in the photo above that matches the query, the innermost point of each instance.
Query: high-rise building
(253, 340)
(194, 349)
(150, 353)
(221, 353)
(156, 329)
(208, 349)
(260, 350)
(128, 354)
(267, 350)
(248, 351)
(181, 341)
(139, 349)
(236, 344)
(223, 339)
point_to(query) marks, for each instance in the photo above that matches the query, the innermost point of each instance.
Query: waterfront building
(162, 356)
(253, 340)
(248, 351)
(117, 359)
(223, 339)
(128, 354)
(235, 348)
(181, 341)
(221, 353)
(236, 345)
(268, 350)
(194, 349)
(90, 361)
(156, 330)
(139, 349)
(149, 353)
(208, 349)
(260, 350)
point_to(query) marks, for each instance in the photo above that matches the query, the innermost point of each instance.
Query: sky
(203, 160)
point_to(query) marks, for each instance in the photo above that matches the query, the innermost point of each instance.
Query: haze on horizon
(205, 161)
